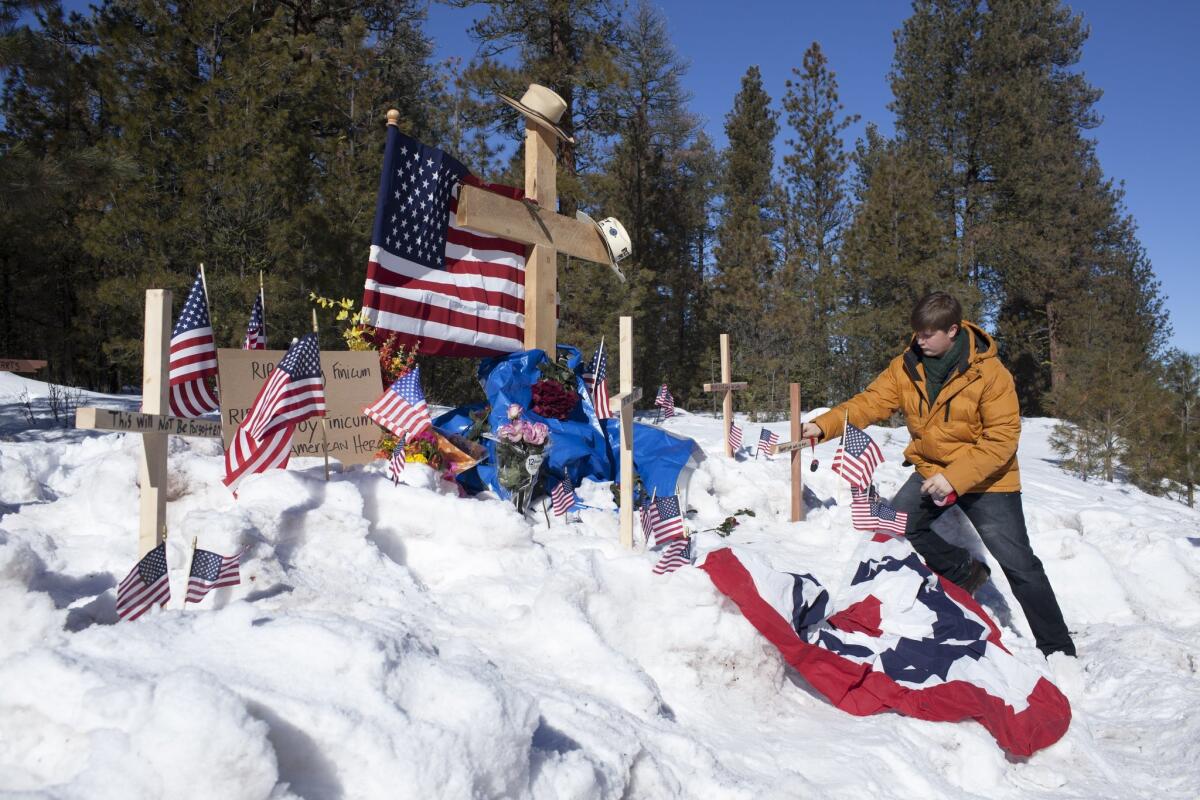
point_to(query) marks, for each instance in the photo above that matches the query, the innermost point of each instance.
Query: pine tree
(805, 292)
(746, 258)
(659, 182)
(893, 254)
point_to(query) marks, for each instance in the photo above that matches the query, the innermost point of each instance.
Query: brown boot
(977, 577)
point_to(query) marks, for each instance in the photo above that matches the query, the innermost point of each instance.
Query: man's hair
(936, 311)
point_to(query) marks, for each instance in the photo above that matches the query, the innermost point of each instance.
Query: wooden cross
(728, 387)
(153, 423)
(20, 365)
(795, 446)
(624, 403)
(538, 224)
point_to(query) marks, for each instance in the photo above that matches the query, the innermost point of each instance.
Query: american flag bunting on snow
(665, 401)
(857, 457)
(193, 358)
(211, 571)
(456, 291)
(871, 514)
(767, 441)
(256, 331)
(145, 586)
(402, 408)
(596, 376)
(735, 437)
(899, 639)
(563, 497)
(293, 393)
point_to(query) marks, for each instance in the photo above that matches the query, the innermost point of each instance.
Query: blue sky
(1142, 55)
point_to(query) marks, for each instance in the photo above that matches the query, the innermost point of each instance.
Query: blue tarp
(581, 445)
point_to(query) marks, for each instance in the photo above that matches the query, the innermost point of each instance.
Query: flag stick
(262, 301)
(324, 435)
(207, 303)
(191, 563)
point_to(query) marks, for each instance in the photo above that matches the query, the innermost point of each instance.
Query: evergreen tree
(746, 259)
(805, 292)
(660, 183)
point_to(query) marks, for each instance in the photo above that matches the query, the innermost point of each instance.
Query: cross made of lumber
(154, 424)
(534, 222)
(728, 386)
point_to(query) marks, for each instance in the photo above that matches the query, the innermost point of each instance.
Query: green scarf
(937, 369)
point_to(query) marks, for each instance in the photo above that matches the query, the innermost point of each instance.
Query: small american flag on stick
(675, 555)
(402, 408)
(767, 441)
(563, 497)
(193, 357)
(293, 393)
(396, 462)
(735, 437)
(211, 571)
(857, 457)
(597, 377)
(145, 586)
(668, 522)
(871, 514)
(665, 401)
(256, 332)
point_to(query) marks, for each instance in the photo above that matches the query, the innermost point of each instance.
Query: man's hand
(810, 431)
(936, 486)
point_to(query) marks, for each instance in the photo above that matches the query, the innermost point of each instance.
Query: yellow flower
(417, 458)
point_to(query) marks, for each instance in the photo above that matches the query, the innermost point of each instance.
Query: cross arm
(107, 419)
(725, 387)
(530, 224)
(617, 402)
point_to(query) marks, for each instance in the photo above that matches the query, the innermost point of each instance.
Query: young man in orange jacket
(960, 404)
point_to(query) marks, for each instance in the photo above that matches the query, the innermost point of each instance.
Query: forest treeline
(140, 138)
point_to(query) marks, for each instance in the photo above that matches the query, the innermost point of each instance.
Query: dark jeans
(1000, 522)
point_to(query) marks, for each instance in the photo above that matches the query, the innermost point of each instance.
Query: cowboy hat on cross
(543, 105)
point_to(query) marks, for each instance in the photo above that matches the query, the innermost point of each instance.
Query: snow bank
(400, 641)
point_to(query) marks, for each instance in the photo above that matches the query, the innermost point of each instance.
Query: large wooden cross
(153, 423)
(538, 224)
(728, 386)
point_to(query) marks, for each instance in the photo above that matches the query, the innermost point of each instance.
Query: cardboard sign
(352, 381)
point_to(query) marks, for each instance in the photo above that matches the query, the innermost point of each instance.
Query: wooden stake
(627, 478)
(797, 468)
(152, 469)
(324, 428)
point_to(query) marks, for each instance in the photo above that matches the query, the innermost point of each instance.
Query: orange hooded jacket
(970, 433)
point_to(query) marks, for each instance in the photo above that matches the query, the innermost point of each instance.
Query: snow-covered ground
(398, 641)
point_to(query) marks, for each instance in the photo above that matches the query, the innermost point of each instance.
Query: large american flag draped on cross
(193, 357)
(456, 291)
(293, 393)
(857, 457)
(211, 571)
(256, 331)
(597, 377)
(145, 586)
(402, 408)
